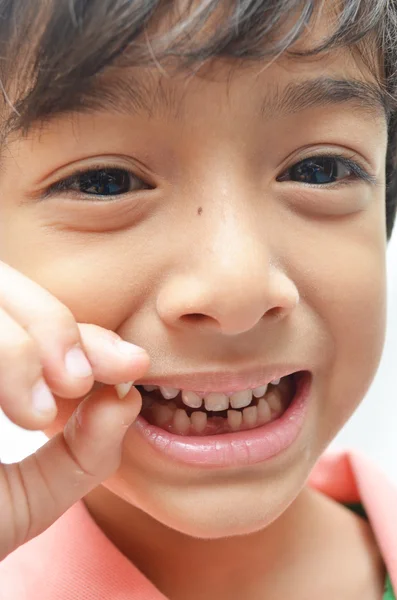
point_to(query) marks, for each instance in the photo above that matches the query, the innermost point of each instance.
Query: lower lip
(233, 449)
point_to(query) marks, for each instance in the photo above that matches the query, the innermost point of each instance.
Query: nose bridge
(229, 274)
(239, 263)
(238, 248)
(233, 225)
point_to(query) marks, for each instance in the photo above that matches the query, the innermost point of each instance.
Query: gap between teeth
(213, 401)
(169, 416)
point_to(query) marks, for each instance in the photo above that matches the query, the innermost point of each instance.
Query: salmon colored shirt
(73, 559)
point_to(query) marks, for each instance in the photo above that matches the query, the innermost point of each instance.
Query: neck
(288, 555)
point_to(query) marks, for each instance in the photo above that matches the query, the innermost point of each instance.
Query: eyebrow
(323, 91)
(131, 96)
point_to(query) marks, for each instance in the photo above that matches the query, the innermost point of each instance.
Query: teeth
(264, 412)
(169, 415)
(274, 401)
(259, 391)
(150, 388)
(162, 414)
(250, 416)
(216, 401)
(191, 399)
(181, 421)
(199, 421)
(122, 389)
(241, 399)
(234, 418)
(169, 392)
(267, 408)
(194, 400)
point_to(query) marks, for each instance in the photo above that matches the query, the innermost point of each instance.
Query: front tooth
(181, 421)
(234, 418)
(250, 416)
(199, 421)
(191, 399)
(275, 381)
(259, 391)
(216, 401)
(241, 399)
(169, 392)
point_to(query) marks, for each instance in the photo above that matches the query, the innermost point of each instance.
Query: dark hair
(54, 51)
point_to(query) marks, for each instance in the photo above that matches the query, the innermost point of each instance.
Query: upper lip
(223, 381)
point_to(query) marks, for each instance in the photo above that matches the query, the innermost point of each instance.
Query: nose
(229, 282)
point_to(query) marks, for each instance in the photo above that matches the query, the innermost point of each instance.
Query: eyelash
(63, 185)
(357, 170)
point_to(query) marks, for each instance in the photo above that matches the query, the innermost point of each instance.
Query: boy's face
(223, 266)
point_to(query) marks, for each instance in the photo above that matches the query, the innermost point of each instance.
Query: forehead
(286, 86)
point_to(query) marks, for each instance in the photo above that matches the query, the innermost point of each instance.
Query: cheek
(102, 280)
(350, 301)
(358, 330)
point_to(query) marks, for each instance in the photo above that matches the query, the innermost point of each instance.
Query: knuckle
(58, 319)
(80, 465)
(62, 316)
(88, 461)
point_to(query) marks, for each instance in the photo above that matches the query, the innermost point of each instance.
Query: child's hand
(36, 333)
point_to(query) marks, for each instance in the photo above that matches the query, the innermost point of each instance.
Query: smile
(185, 412)
(227, 436)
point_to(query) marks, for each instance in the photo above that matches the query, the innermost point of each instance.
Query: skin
(276, 271)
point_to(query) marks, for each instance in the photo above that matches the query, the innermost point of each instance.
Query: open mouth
(187, 413)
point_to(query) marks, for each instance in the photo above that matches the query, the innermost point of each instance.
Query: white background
(372, 429)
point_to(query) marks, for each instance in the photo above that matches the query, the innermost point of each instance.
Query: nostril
(277, 312)
(195, 317)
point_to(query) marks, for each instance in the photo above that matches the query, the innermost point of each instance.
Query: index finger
(53, 327)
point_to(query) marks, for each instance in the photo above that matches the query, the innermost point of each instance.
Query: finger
(24, 396)
(71, 464)
(113, 360)
(53, 328)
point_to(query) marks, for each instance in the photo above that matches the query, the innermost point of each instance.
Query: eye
(107, 181)
(320, 170)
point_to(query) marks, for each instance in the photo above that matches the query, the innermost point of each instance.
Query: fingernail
(129, 349)
(122, 389)
(77, 364)
(43, 401)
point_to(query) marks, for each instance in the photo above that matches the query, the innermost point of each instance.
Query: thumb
(37, 491)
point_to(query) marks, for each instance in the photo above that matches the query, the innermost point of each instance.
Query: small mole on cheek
(199, 210)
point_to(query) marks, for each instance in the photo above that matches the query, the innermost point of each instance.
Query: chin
(211, 524)
(219, 509)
